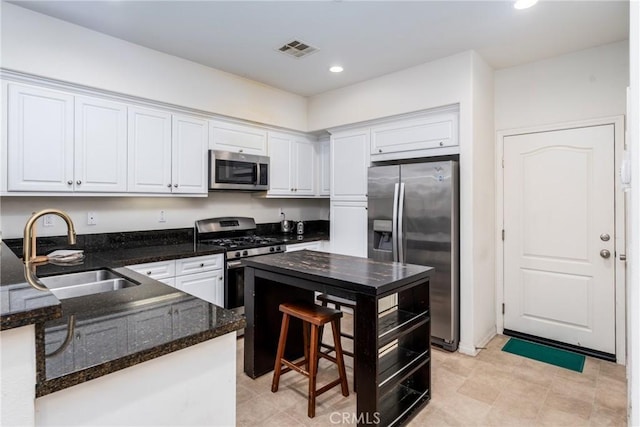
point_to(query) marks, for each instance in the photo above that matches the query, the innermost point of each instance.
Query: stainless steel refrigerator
(413, 218)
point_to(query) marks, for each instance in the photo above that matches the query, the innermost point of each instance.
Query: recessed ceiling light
(524, 4)
(336, 69)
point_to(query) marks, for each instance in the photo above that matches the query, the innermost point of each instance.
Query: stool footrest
(294, 367)
(331, 348)
(328, 387)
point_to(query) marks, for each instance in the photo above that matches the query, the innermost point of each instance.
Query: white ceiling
(368, 38)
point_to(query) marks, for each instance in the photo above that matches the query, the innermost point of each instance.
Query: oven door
(235, 171)
(234, 292)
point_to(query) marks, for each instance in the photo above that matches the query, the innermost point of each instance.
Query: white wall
(45, 46)
(141, 213)
(18, 385)
(581, 85)
(633, 255)
(430, 85)
(484, 230)
(195, 386)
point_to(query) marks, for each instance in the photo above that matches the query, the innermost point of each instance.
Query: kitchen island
(392, 349)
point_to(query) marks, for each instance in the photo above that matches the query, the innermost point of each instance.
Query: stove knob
(272, 249)
(245, 253)
(237, 254)
(278, 249)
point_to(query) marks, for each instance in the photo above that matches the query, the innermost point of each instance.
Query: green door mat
(546, 354)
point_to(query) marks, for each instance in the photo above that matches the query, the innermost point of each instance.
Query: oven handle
(234, 264)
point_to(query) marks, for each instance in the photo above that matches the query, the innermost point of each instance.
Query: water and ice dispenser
(382, 235)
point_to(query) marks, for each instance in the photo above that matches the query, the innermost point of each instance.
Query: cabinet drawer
(199, 264)
(156, 270)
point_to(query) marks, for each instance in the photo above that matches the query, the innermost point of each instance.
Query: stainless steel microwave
(237, 171)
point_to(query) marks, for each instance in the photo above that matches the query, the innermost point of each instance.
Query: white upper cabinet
(39, 140)
(61, 143)
(349, 163)
(292, 165)
(149, 151)
(415, 137)
(190, 139)
(237, 138)
(100, 145)
(323, 148)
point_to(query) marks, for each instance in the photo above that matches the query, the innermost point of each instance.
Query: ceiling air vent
(297, 49)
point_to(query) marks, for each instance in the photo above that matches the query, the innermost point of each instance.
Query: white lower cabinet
(201, 276)
(349, 228)
(208, 286)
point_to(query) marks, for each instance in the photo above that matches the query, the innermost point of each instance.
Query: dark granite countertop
(359, 275)
(184, 320)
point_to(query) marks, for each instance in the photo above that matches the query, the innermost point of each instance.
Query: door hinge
(503, 163)
(503, 234)
(502, 308)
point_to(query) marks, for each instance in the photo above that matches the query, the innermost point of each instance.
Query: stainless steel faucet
(29, 255)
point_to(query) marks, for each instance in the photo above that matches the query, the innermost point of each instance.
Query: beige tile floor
(492, 389)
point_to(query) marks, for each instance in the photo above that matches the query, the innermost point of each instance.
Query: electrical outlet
(47, 220)
(91, 218)
(162, 216)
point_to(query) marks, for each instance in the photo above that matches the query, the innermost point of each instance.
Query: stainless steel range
(237, 236)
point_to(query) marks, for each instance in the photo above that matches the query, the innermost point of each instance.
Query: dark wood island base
(392, 349)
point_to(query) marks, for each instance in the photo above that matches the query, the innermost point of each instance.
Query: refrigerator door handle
(394, 224)
(400, 233)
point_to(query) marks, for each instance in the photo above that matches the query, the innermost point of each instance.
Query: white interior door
(559, 278)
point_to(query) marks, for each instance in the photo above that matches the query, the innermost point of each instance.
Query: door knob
(605, 237)
(605, 253)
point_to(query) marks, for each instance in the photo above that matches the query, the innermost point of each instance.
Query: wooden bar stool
(313, 317)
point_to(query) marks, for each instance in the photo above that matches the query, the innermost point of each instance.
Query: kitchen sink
(85, 283)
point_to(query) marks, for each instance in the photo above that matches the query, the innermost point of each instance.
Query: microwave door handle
(256, 173)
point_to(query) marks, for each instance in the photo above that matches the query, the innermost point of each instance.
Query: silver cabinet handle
(605, 253)
(175, 185)
(221, 278)
(148, 273)
(169, 185)
(78, 182)
(441, 144)
(623, 257)
(605, 237)
(202, 264)
(69, 182)
(240, 150)
(379, 150)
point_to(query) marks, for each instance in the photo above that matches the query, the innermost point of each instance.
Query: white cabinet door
(40, 140)
(190, 139)
(292, 166)
(100, 145)
(208, 286)
(349, 228)
(237, 138)
(408, 137)
(149, 151)
(304, 167)
(349, 163)
(280, 163)
(324, 166)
